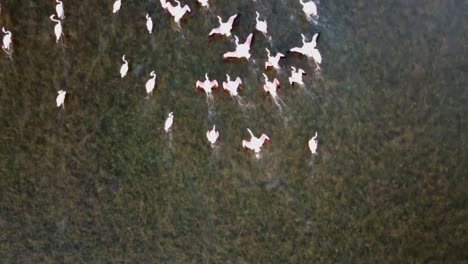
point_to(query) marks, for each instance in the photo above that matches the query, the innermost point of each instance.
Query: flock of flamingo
(242, 51)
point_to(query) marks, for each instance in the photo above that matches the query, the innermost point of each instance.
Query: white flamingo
(59, 9)
(124, 67)
(6, 40)
(116, 6)
(149, 23)
(273, 61)
(232, 86)
(150, 83)
(255, 143)
(177, 11)
(242, 50)
(313, 144)
(261, 25)
(61, 99)
(57, 28)
(207, 85)
(309, 8)
(271, 87)
(204, 3)
(224, 28)
(169, 121)
(212, 135)
(296, 76)
(309, 49)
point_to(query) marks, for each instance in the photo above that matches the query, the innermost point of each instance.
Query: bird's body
(207, 85)
(59, 9)
(309, 8)
(169, 121)
(296, 76)
(150, 83)
(116, 6)
(261, 25)
(232, 86)
(6, 40)
(124, 67)
(177, 11)
(313, 144)
(271, 87)
(255, 143)
(149, 23)
(204, 3)
(242, 50)
(61, 98)
(273, 61)
(57, 28)
(224, 28)
(212, 135)
(309, 49)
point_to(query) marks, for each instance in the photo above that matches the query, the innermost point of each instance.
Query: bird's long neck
(55, 20)
(250, 132)
(315, 136)
(60, 2)
(123, 58)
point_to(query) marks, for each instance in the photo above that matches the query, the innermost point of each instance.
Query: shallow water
(101, 182)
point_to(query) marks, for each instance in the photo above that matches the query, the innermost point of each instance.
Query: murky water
(101, 181)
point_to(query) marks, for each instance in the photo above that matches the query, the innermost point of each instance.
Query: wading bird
(177, 11)
(57, 28)
(255, 143)
(61, 99)
(232, 86)
(271, 87)
(273, 61)
(242, 50)
(296, 76)
(150, 83)
(313, 144)
(308, 49)
(6, 40)
(207, 85)
(124, 67)
(59, 9)
(169, 121)
(212, 135)
(149, 23)
(261, 25)
(224, 28)
(116, 6)
(310, 9)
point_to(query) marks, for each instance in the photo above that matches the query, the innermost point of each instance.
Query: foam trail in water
(211, 106)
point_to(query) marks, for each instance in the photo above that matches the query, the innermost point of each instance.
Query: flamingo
(313, 144)
(309, 49)
(6, 40)
(204, 3)
(261, 25)
(59, 9)
(231, 86)
(255, 143)
(124, 67)
(150, 83)
(273, 61)
(169, 121)
(309, 8)
(271, 87)
(116, 6)
(212, 135)
(149, 23)
(61, 99)
(177, 11)
(242, 50)
(57, 28)
(296, 76)
(207, 85)
(224, 28)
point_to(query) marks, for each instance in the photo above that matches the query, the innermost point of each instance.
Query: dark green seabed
(101, 182)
